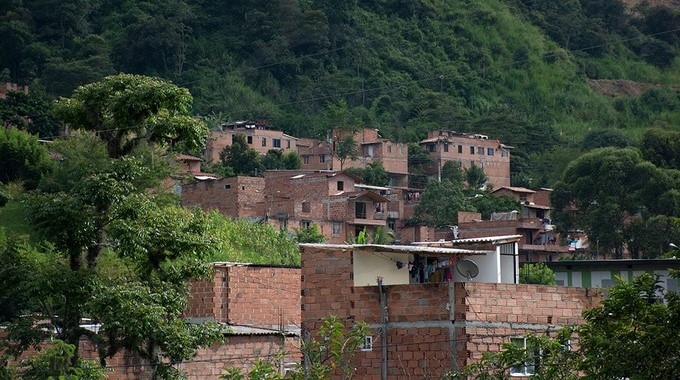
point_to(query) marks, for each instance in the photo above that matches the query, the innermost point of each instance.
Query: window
(341, 185)
(250, 139)
(505, 153)
(472, 150)
(288, 144)
(227, 186)
(360, 210)
(446, 147)
(607, 283)
(522, 198)
(391, 223)
(264, 141)
(389, 148)
(322, 158)
(489, 151)
(460, 149)
(527, 368)
(305, 160)
(367, 345)
(337, 228)
(276, 143)
(305, 224)
(480, 150)
(306, 207)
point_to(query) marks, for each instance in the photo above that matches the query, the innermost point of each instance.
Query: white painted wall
(369, 265)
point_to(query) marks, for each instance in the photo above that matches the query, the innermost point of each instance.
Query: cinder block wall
(432, 328)
(496, 312)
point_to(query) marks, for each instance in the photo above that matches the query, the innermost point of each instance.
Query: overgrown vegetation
(514, 70)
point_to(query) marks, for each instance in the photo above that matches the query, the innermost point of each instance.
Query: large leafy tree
(662, 148)
(603, 189)
(440, 203)
(126, 109)
(633, 334)
(346, 149)
(240, 157)
(117, 253)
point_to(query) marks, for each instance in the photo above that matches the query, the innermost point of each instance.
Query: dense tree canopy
(113, 251)
(22, 158)
(125, 110)
(515, 70)
(440, 203)
(603, 190)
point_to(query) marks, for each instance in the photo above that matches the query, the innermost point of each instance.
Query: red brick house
(235, 197)
(423, 329)
(467, 149)
(371, 147)
(259, 135)
(331, 200)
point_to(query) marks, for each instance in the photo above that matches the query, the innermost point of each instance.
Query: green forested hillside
(514, 69)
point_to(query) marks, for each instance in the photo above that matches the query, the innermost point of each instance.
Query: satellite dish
(467, 268)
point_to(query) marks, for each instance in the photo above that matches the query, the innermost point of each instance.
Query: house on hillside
(234, 197)
(333, 201)
(468, 149)
(429, 310)
(371, 147)
(259, 135)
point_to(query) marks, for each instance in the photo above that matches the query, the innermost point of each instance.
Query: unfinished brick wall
(432, 328)
(468, 230)
(538, 308)
(258, 296)
(235, 197)
(241, 351)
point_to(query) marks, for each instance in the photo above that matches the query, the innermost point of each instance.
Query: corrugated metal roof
(515, 189)
(398, 248)
(481, 240)
(251, 330)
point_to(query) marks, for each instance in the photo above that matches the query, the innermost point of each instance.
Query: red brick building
(235, 197)
(331, 200)
(258, 134)
(425, 329)
(371, 147)
(259, 307)
(467, 149)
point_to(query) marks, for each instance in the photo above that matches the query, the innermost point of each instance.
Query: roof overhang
(397, 249)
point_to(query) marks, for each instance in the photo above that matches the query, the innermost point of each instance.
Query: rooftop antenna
(467, 268)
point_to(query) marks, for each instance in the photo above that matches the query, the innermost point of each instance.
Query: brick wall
(468, 230)
(256, 296)
(235, 197)
(432, 327)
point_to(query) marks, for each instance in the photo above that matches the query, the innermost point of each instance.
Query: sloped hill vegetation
(513, 69)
